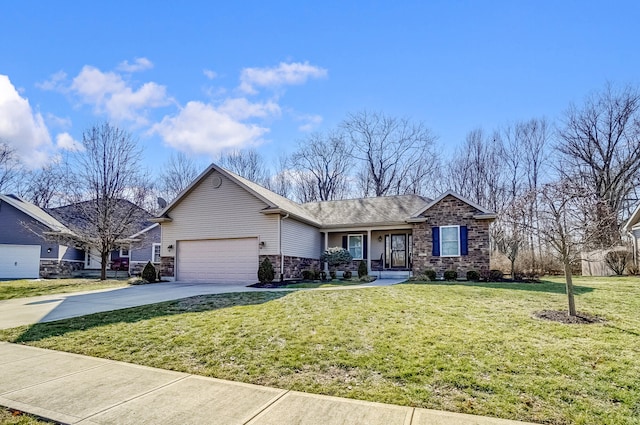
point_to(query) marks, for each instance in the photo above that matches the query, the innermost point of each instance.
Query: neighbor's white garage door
(19, 261)
(218, 261)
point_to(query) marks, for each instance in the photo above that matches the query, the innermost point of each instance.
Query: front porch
(388, 250)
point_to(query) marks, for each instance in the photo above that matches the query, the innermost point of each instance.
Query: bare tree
(599, 145)
(178, 173)
(9, 166)
(246, 163)
(105, 189)
(323, 162)
(44, 186)
(568, 223)
(281, 181)
(390, 150)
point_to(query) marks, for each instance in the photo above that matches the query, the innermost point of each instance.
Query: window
(124, 252)
(155, 256)
(355, 246)
(450, 241)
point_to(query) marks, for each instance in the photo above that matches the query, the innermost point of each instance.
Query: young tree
(323, 162)
(390, 149)
(599, 145)
(107, 183)
(178, 173)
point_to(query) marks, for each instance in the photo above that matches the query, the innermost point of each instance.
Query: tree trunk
(567, 276)
(103, 265)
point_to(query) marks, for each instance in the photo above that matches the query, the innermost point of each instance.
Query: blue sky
(201, 77)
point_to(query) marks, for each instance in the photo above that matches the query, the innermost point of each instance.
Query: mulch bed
(563, 317)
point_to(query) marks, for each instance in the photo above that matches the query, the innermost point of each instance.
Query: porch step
(393, 274)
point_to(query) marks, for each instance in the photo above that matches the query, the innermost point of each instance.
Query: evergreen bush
(362, 269)
(149, 273)
(430, 274)
(450, 275)
(266, 273)
(473, 276)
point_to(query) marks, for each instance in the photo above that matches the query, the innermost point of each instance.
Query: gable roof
(275, 203)
(366, 211)
(634, 221)
(484, 214)
(35, 212)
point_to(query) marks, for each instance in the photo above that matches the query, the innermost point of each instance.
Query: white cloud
(55, 82)
(294, 73)
(65, 142)
(209, 74)
(202, 129)
(139, 64)
(109, 93)
(21, 128)
(310, 122)
(55, 121)
(240, 108)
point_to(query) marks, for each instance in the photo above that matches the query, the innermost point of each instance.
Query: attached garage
(19, 261)
(217, 260)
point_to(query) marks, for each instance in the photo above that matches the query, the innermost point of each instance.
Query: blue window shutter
(464, 245)
(364, 247)
(435, 241)
(344, 243)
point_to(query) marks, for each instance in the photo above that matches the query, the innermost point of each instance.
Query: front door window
(398, 250)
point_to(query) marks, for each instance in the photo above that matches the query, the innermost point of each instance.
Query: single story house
(222, 226)
(25, 250)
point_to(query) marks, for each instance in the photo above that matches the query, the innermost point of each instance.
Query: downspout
(281, 253)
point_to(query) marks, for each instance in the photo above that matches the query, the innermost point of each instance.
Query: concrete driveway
(47, 308)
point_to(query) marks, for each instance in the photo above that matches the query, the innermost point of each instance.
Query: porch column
(369, 241)
(326, 246)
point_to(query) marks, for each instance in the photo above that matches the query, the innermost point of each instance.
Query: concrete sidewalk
(76, 389)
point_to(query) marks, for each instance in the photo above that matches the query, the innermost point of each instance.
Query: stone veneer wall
(293, 266)
(167, 266)
(53, 268)
(451, 211)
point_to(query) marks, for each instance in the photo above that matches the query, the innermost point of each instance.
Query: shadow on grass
(543, 286)
(200, 303)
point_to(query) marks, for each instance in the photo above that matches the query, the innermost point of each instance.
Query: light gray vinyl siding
(228, 211)
(300, 239)
(143, 250)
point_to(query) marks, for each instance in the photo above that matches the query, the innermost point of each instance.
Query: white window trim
(442, 241)
(123, 255)
(153, 250)
(361, 236)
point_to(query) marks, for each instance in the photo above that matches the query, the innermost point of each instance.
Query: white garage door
(19, 261)
(218, 261)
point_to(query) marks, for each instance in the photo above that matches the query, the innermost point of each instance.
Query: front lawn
(472, 348)
(33, 287)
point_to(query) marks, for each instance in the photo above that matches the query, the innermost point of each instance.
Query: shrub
(473, 276)
(323, 275)
(336, 256)
(316, 274)
(346, 274)
(617, 260)
(266, 273)
(491, 275)
(149, 273)
(430, 274)
(362, 269)
(633, 269)
(333, 274)
(450, 275)
(307, 274)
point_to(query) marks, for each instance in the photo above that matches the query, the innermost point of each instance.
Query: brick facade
(451, 211)
(293, 266)
(167, 266)
(50, 269)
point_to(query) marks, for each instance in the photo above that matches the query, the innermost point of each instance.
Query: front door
(398, 251)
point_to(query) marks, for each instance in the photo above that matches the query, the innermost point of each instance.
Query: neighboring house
(25, 249)
(222, 226)
(632, 230)
(135, 250)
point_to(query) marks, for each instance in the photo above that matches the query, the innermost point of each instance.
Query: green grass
(471, 348)
(31, 288)
(8, 418)
(331, 284)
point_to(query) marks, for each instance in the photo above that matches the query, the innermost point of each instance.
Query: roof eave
(281, 211)
(161, 220)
